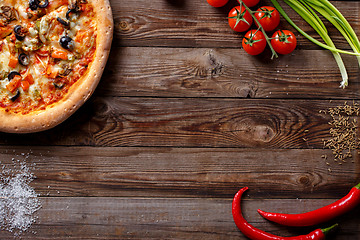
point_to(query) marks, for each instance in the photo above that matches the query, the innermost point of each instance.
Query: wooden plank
(184, 72)
(170, 135)
(165, 218)
(187, 122)
(197, 24)
(184, 172)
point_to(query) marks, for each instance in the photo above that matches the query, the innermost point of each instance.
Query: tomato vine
(267, 38)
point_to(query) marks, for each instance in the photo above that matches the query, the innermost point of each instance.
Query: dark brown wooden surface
(180, 121)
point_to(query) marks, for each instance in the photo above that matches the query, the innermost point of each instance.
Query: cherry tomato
(268, 17)
(254, 42)
(283, 41)
(251, 3)
(217, 3)
(239, 19)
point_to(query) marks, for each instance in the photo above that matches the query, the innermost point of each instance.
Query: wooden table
(182, 119)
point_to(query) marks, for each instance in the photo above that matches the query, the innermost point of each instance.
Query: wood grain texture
(163, 218)
(227, 73)
(184, 172)
(187, 122)
(181, 120)
(197, 24)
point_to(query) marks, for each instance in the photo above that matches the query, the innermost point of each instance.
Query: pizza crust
(78, 93)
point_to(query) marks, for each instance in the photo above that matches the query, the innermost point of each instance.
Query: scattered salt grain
(18, 200)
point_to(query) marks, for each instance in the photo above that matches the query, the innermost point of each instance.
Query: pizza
(52, 55)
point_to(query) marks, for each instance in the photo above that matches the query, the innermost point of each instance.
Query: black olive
(33, 4)
(13, 98)
(12, 75)
(17, 29)
(68, 13)
(59, 86)
(62, 21)
(44, 5)
(20, 38)
(66, 42)
(24, 59)
(19, 32)
(74, 9)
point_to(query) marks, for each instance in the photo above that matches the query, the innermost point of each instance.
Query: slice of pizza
(51, 60)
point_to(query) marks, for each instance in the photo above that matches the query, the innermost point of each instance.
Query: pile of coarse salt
(18, 200)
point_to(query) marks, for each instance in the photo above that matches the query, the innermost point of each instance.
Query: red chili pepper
(256, 234)
(317, 216)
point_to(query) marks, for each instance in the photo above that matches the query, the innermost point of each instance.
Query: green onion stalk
(335, 17)
(307, 10)
(304, 10)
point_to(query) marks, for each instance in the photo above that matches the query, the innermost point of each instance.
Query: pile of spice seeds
(18, 200)
(344, 139)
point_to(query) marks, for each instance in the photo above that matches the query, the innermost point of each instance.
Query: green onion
(283, 13)
(334, 16)
(306, 9)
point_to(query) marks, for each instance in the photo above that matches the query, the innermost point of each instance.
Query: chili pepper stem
(357, 186)
(330, 229)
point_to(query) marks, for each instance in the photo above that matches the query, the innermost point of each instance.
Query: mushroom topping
(44, 27)
(65, 71)
(8, 13)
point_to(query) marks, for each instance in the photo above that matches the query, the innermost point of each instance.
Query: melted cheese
(4, 57)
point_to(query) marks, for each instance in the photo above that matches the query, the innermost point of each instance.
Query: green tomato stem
(251, 39)
(274, 54)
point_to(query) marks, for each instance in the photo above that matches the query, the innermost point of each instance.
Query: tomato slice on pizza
(52, 55)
